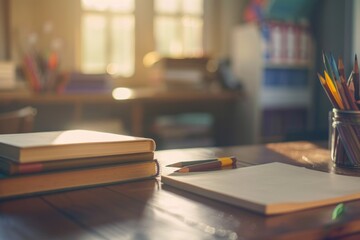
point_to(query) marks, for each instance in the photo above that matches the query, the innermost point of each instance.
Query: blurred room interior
(188, 73)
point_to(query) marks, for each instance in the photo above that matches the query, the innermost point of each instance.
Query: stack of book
(181, 73)
(50, 161)
(75, 82)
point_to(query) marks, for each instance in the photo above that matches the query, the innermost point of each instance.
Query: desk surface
(149, 210)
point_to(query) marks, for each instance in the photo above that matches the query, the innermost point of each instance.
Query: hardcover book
(61, 145)
(10, 167)
(11, 186)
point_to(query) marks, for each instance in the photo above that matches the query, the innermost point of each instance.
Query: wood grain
(150, 210)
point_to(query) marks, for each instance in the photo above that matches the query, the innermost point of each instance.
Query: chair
(18, 121)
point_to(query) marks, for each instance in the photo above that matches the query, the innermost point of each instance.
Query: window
(107, 37)
(179, 27)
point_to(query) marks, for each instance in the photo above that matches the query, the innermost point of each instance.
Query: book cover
(273, 188)
(56, 145)
(10, 167)
(12, 186)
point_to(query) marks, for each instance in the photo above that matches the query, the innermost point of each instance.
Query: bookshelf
(278, 84)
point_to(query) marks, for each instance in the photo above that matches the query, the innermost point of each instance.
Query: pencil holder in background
(345, 138)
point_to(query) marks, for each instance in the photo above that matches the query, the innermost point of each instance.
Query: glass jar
(345, 138)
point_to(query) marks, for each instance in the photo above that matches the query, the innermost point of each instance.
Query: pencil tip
(183, 170)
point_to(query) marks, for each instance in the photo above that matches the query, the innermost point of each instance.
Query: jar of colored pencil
(345, 138)
(344, 95)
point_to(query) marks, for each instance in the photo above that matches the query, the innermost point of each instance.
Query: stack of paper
(272, 188)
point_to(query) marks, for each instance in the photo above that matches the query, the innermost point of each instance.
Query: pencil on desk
(188, 163)
(208, 166)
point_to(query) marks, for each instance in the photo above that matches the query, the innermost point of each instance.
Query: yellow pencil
(328, 92)
(209, 166)
(333, 90)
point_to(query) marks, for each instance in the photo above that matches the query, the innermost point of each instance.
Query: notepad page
(268, 184)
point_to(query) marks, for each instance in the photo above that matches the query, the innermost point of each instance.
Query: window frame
(180, 16)
(144, 25)
(109, 17)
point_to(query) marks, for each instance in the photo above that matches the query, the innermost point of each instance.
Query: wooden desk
(138, 111)
(149, 210)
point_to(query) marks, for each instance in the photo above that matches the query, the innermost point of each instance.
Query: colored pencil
(209, 166)
(328, 92)
(343, 94)
(341, 68)
(356, 79)
(188, 163)
(349, 95)
(333, 90)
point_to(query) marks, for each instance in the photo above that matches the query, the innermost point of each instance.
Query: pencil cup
(345, 138)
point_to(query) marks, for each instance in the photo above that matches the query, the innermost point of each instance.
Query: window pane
(179, 27)
(122, 51)
(167, 30)
(112, 5)
(193, 7)
(167, 6)
(121, 5)
(93, 5)
(192, 30)
(93, 43)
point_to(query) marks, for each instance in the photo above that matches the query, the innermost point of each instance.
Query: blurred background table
(136, 110)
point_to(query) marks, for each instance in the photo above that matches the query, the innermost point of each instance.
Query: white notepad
(271, 188)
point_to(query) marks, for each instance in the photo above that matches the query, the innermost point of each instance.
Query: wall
(4, 30)
(356, 28)
(30, 15)
(22, 22)
(333, 32)
(230, 16)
